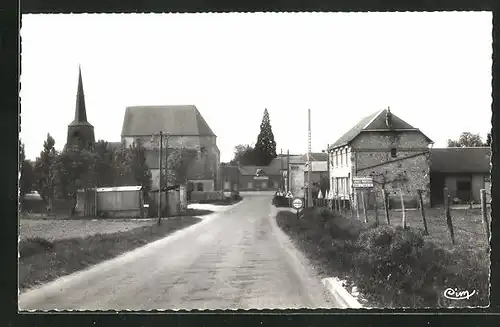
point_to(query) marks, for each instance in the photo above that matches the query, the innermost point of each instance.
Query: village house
(389, 150)
(463, 171)
(299, 172)
(186, 129)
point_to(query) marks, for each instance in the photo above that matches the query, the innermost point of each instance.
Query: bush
(391, 265)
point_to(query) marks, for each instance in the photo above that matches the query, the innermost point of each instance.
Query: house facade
(299, 172)
(390, 151)
(462, 171)
(186, 129)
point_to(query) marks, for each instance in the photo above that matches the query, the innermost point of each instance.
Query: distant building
(299, 172)
(187, 129)
(80, 131)
(383, 146)
(463, 171)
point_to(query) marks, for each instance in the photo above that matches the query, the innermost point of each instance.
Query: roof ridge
(374, 117)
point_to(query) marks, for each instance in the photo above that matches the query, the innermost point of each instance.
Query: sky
(432, 69)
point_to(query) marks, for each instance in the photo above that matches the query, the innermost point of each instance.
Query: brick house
(229, 177)
(187, 129)
(299, 172)
(261, 178)
(383, 146)
(463, 171)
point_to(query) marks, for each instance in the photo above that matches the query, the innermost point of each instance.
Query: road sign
(362, 182)
(289, 194)
(297, 203)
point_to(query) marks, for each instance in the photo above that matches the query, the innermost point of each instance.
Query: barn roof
(461, 160)
(374, 122)
(181, 120)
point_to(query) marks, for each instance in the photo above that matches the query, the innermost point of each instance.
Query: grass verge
(390, 266)
(227, 201)
(42, 261)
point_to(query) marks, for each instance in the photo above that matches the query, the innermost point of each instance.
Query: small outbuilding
(107, 202)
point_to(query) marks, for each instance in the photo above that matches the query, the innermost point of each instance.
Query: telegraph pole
(309, 168)
(166, 174)
(159, 181)
(288, 171)
(281, 170)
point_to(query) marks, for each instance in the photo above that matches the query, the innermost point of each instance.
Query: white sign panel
(362, 182)
(297, 203)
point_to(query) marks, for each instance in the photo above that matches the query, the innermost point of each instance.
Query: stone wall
(408, 171)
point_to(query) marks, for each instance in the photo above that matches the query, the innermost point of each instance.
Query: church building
(80, 131)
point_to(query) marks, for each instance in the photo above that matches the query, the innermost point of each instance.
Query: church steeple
(80, 110)
(80, 131)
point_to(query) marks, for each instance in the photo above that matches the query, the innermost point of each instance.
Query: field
(467, 225)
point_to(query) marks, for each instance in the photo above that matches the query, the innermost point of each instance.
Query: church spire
(80, 111)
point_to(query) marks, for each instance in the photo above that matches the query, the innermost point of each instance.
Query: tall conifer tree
(265, 148)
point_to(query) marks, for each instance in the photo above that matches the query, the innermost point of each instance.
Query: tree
(179, 161)
(44, 174)
(488, 140)
(75, 169)
(466, 140)
(265, 148)
(105, 164)
(27, 177)
(138, 167)
(244, 154)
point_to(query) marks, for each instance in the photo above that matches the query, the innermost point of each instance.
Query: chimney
(388, 118)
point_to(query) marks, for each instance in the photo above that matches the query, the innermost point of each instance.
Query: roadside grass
(467, 225)
(391, 267)
(42, 261)
(227, 201)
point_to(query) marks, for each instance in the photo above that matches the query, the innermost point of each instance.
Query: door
(464, 190)
(250, 185)
(227, 185)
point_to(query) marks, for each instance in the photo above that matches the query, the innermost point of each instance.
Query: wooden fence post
(357, 205)
(351, 204)
(422, 211)
(365, 215)
(447, 213)
(386, 206)
(485, 215)
(375, 208)
(403, 209)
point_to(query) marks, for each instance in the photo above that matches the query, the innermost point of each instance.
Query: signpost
(297, 204)
(362, 182)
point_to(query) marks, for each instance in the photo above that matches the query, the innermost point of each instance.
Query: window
(346, 162)
(393, 153)
(341, 158)
(199, 187)
(336, 159)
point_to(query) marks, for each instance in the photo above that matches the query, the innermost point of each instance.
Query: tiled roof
(176, 120)
(375, 121)
(461, 160)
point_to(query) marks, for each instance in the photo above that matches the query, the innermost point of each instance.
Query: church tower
(80, 131)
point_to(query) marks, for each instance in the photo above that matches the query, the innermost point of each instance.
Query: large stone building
(186, 128)
(382, 146)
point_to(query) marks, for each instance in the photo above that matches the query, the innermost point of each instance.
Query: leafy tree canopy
(468, 139)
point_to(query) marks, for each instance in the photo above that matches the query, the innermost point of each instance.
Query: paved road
(235, 259)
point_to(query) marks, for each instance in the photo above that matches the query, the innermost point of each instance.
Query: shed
(120, 201)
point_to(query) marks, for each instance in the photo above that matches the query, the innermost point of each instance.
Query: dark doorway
(464, 190)
(437, 189)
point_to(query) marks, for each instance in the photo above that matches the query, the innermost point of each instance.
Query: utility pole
(159, 181)
(309, 168)
(328, 164)
(281, 171)
(166, 174)
(288, 171)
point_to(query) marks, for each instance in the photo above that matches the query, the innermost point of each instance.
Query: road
(234, 259)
